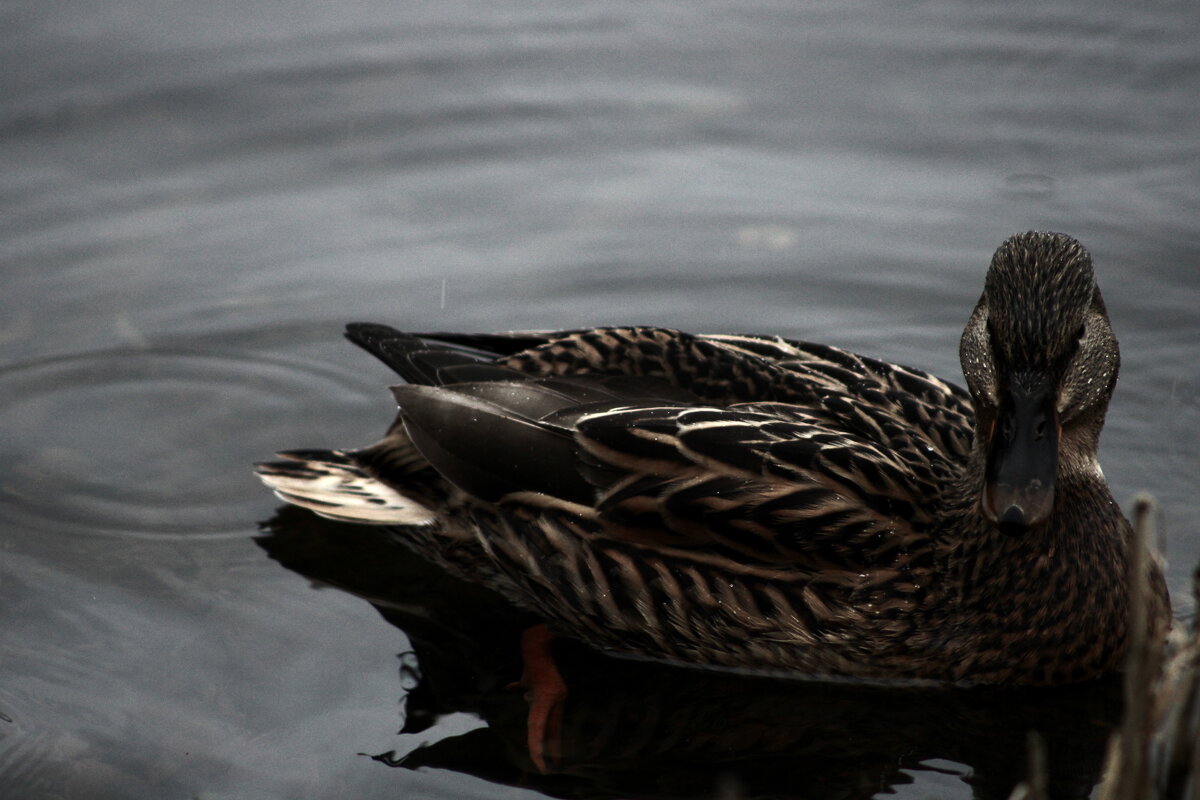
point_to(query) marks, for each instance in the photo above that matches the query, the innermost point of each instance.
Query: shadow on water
(635, 729)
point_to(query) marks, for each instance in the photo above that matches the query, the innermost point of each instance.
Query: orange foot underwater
(546, 693)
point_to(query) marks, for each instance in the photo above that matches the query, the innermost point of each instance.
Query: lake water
(196, 196)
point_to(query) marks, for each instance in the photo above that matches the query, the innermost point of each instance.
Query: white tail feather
(340, 490)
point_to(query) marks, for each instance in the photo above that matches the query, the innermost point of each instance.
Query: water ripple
(153, 442)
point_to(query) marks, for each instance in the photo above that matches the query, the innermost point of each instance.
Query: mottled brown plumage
(761, 503)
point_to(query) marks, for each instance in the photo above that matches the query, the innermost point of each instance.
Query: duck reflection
(644, 730)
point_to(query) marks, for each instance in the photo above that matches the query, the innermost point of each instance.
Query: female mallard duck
(762, 503)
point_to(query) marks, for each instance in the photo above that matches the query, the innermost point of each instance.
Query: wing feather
(768, 483)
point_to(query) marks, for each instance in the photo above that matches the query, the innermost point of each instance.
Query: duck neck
(1056, 593)
(1084, 532)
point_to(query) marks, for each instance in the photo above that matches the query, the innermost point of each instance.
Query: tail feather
(330, 483)
(427, 362)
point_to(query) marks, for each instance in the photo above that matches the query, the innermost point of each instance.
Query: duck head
(1040, 361)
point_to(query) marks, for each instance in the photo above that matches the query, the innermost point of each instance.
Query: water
(197, 196)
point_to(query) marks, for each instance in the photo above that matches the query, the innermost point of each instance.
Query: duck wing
(762, 449)
(770, 484)
(762, 483)
(739, 369)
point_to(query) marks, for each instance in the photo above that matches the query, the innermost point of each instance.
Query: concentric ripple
(157, 443)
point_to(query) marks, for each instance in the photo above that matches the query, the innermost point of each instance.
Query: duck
(764, 504)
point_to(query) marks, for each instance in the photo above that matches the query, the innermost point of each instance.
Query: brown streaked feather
(769, 487)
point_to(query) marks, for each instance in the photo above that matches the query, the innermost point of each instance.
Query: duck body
(761, 503)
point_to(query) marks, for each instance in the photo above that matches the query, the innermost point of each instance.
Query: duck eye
(1079, 334)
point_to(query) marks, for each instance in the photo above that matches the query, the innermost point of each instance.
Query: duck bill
(1021, 461)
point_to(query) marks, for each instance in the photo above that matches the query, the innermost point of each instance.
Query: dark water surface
(196, 196)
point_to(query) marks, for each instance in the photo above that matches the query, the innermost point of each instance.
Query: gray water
(194, 197)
